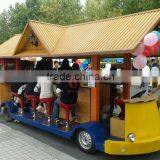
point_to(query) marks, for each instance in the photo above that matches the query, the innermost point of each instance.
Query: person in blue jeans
(56, 110)
(67, 93)
(56, 105)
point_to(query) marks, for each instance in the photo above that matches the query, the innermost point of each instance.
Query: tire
(85, 141)
(6, 114)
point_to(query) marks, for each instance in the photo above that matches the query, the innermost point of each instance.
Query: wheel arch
(96, 130)
(9, 105)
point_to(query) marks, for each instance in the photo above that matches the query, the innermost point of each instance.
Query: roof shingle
(114, 35)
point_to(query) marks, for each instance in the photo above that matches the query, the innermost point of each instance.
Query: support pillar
(127, 83)
(95, 92)
(17, 64)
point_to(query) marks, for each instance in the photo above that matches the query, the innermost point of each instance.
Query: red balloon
(78, 62)
(147, 52)
(154, 50)
(158, 44)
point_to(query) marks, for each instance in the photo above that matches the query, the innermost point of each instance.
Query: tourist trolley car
(139, 131)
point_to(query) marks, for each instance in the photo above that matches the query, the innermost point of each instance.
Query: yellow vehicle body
(142, 119)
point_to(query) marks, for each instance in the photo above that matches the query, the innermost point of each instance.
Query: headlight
(131, 137)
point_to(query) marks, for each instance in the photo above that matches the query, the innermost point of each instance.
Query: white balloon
(150, 39)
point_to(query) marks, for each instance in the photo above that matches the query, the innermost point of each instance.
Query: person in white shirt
(46, 88)
(154, 74)
(146, 79)
(106, 72)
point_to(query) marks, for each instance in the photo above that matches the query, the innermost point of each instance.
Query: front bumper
(127, 148)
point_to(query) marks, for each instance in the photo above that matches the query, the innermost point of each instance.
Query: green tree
(18, 17)
(4, 26)
(62, 11)
(99, 9)
(66, 12)
(113, 8)
(133, 6)
(14, 20)
(94, 10)
(33, 7)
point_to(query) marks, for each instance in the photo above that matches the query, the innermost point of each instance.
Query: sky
(4, 4)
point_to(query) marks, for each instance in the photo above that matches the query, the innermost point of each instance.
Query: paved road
(21, 142)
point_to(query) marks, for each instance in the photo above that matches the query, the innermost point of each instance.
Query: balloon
(150, 39)
(139, 50)
(82, 60)
(140, 62)
(85, 61)
(154, 50)
(158, 43)
(78, 62)
(147, 52)
(157, 33)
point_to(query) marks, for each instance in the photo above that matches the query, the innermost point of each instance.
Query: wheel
(85, 141)
(6, 114)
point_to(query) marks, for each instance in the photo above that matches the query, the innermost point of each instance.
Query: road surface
(22, 142)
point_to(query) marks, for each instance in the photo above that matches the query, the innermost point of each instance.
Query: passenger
(48, 64)
(155, 75)
(56, 65)
(30, 89)
(145, 79)
(31, 85)
(65, 65)
(19, 87)
(55, 72)
(66, 93)
(89, 71)
(45, 88)
(44, 64)
(39, 65)
(16, 88)
(76, 68)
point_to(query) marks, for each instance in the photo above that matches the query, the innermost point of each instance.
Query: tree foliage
(94, 10)
(62, 11)
(66, 12)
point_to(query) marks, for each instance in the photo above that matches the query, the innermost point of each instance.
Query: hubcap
(85, 140)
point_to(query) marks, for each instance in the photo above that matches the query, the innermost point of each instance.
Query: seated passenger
(67, 93)
(31, 84)
(76, 69)
(44, 64)
(45, 88)
(56, 65)
(30, 89)
(18, 88)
